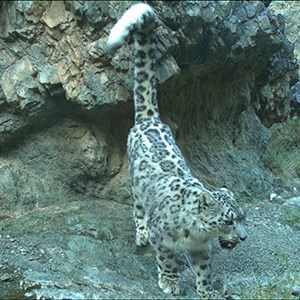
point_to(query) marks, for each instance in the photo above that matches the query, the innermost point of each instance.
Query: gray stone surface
(85, 249)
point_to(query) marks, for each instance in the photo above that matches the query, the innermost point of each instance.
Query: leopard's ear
(205, 201)
(225, 190)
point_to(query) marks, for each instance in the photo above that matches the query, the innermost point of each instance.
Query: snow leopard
(173, 210)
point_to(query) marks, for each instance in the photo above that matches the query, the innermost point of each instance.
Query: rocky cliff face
(288, 13)
(224, 75)
(225, 72)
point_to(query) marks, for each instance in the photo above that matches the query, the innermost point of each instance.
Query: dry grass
(282, 155)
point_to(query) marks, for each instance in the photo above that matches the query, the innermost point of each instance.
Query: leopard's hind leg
(140, 224)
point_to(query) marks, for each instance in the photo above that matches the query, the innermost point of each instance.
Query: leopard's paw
(211, 295)
(142, 238)
(169, 285)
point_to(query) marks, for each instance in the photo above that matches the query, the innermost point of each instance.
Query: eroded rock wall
(225, 69)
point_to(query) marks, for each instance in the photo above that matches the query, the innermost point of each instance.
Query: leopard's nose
(241, 231)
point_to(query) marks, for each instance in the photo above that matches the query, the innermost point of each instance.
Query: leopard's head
(225, 218)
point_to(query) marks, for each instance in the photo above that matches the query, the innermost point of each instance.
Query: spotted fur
(172, 209)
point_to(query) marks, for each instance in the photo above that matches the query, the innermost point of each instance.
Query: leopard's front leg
(200, 261)
(168, 278)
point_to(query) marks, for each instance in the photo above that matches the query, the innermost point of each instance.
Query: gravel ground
(85, 249)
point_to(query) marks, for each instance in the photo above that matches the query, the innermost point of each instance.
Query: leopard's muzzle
(231, 243)
(227, 244)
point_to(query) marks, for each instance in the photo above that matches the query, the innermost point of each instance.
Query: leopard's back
(153, 154)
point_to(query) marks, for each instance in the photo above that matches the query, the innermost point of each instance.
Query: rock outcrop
(288, 13)
(225, 70)
(226, 67)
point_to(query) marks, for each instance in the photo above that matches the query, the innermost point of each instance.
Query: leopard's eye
(229, 222)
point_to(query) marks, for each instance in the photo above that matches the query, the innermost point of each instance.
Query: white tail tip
(120, 31)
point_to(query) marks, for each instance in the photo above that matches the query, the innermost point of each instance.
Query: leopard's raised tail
(139, 22)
